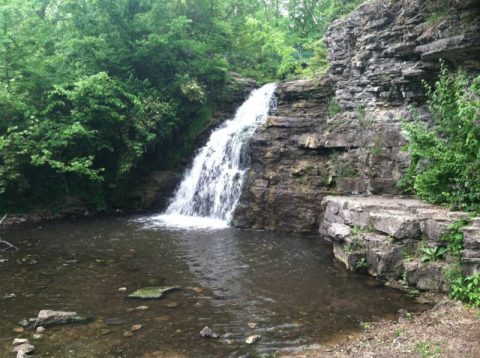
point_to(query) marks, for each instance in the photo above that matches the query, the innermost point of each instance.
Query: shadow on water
(289, 286)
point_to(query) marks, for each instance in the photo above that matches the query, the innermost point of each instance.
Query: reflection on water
(288, 285)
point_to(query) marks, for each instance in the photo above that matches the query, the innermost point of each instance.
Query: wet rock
(50, 317)
(37, 337)
(162, 318)
(207, 332)
(23, 349)
(152, 292)
(18, 341)
(252, 339)
(24, 323)
(172, 305)
(136, 327)
(114, 321)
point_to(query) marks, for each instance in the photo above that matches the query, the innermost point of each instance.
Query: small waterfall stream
(210, 189)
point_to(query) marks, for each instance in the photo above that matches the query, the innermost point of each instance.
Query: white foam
(177, 221)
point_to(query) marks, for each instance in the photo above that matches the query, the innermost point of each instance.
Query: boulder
(429, 276)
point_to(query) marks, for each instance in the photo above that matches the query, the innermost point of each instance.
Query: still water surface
(289, 286)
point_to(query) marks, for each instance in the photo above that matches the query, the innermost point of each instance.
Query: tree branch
(4, 242)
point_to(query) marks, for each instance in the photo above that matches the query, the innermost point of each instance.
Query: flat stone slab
(155, 292)
(383, 235)
(50, 317)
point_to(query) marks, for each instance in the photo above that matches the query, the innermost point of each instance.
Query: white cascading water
(210, 189)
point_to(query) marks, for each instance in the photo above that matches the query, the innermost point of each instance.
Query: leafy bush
(433, 253)
(467, 289)
(445, 155)
(454, 237)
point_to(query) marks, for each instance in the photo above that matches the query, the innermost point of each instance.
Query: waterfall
(210, 189)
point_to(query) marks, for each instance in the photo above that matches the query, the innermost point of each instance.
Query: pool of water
(289, 286)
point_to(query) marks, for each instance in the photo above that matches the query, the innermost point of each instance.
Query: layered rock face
(342, 134)
(287, 162)
(394, 238)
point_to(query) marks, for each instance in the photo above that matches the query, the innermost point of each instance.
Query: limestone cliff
(342, 134)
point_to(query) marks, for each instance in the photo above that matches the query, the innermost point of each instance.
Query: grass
(427, 350)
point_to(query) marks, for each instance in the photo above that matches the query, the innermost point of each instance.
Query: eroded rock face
(342, 134)
(385, 236)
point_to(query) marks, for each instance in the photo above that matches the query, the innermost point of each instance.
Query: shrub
(445, 154)
(467, 289)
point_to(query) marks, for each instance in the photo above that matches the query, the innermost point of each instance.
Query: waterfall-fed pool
(287, 289)
(289, 286)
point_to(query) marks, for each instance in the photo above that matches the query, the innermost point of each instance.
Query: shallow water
(290, 286)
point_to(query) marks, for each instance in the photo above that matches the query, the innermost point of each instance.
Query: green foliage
(365, 325)
(454, 237)
(90, 89)
(426, 350)
(398, 332)
(356, 244)
(358, 230)
(467, 289)
(445, 160)
(437, 9)
(408, 254)
(333, 107)
(430, 254)
(361, 264)
(283, 38)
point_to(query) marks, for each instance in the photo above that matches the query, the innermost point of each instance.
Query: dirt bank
(449, 329)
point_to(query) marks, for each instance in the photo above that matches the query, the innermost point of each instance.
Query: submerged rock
(49, 317)
(252, 339)
(37, 336)
(24, 323)
(23, 349)
(172, 305)
(136, 327)
(114, 321)
(152, 292)
(18, 341)
(207, 332)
